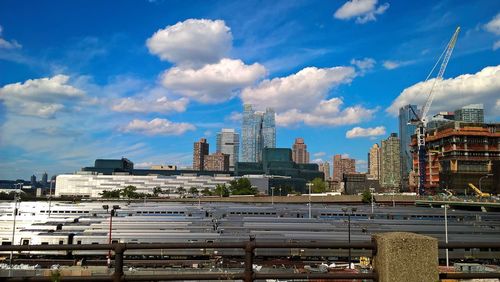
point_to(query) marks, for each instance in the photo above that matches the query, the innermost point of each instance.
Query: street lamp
(280, 191)
(309, 185)
(272, 195)
(446, 231)
(112, 213)
(481, 178)
(352, 210)
(16, 199)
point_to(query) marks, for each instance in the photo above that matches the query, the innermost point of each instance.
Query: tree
(129, 192)
(318, 185)
(157, 191)
(206, 192)
(193, 191)
(242, 186)
(221, 190)
(366, 197)
(181, 190)
(110, 194)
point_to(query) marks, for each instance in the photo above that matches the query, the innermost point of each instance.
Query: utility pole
(310, 185)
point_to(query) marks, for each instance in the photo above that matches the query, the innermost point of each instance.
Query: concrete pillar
(407, 257)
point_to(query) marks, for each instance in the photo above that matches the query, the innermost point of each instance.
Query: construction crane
(421, 120)
(479, 193)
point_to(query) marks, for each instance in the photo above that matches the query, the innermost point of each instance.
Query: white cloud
(493, 26)
(319, 154)
(154, 100)
(390, 65)
(236, 116)
(496, 45)
(303, 90)
(158, 126)
(214, 82)
(193, 42)
(365, 132)
(303, 97)
(40, 97)
(345, 155)
(364, 64)
(5, 44)
(363, 10)
(453, 93)
(497, 105)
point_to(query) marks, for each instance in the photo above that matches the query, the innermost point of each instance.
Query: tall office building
(325, 168)
(228, 142)
(374, 161)
(390, 170)
(406, 130)
(342, 166)
(44, 179)
(258, 132)
(299, 152)
(200, 150)
(470, 113)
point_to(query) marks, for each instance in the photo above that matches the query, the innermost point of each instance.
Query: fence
(247, 275)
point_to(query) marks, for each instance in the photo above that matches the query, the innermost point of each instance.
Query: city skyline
(117, 83)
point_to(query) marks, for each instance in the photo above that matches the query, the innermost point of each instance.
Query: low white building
(90, 185)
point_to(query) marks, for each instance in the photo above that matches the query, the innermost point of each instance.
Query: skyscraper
(228, 142)
(325, 168)
(44, 179)
(200, 150)
(374, 161)
(406, 130)
(342, 166)
(299, 152)
(258, 132)
(470, 113)
(390, 170)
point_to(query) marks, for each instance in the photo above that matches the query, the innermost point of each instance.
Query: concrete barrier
(407, 257)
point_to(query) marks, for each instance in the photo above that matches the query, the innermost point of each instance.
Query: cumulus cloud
(364, 64)
(302, 90)
(5, 44)
(158, 126)
(453, 93)
(363, 10)
(302, 97)
(365, 132)
(235, 116)
(41, 97)
(154, 100)
(193, 42)
(493, 26)
(213, 82)
(319, 154)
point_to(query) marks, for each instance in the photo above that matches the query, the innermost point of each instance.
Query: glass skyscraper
(258, 132)
(228, 142)
(406, 130)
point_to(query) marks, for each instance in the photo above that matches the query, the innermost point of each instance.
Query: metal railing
(249, 254)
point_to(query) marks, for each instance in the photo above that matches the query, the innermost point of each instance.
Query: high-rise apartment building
(325, 168)
(44, 179)
(299, 152)
(258, 132)
(374, 161)
(470, 113)
(200, 150)
(342, 166)
(390, 170)
(406, 130)
(216, 162)
(228, 142)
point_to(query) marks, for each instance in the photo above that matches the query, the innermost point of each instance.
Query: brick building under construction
(460, 153)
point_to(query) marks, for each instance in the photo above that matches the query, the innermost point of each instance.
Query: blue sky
(81, 80)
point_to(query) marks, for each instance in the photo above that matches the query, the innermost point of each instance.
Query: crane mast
(422, 121)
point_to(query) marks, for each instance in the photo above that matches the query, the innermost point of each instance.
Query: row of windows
(159, 212)
(254, 213)
(43, 211)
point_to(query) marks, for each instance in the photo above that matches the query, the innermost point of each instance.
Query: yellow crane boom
(479, 192)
